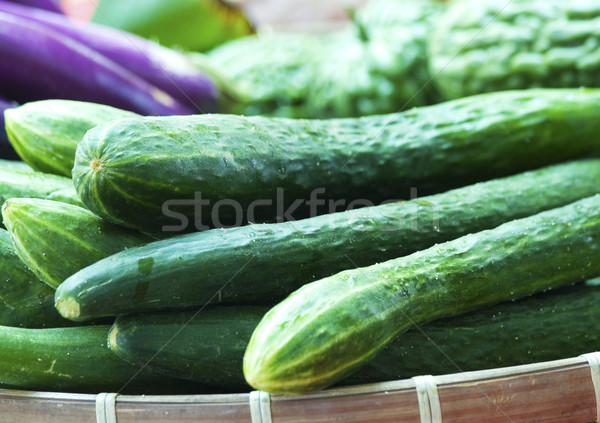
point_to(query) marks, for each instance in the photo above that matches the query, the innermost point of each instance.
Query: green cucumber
(75, 359)
(204, 346)
(484, 45)
(14, 164)
(377, 64)
(156, 173)
(208, 346)
(45, 133)
(263, 263)
(558, 324)
(25, 301)
(55, 239)
(17, 182)
(329, 328)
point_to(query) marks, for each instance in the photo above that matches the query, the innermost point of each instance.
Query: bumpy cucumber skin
(75, 359)
(25, 301)
(209, 345)
(127, 171)
(480, 46)
(55, 239)
(204, 346)
(376, 65)
(263, 263)
(329, 328)
(17, 182)
(45, 133)
(551, 326)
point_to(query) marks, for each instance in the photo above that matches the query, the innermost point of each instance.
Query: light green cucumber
(55, 239)
(263, 263)
(18, 182)
(45, 133)
(207, 346)
(329, 328)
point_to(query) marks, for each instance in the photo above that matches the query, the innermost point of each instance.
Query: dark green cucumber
(153, 173)
(485, 45)
(55, 239)
(204, 346)
(377, 64)
(25, 301)
(17, 182)
(208, 346)
(45, 133)
(329, 328)
(75, 359)
(265, 262)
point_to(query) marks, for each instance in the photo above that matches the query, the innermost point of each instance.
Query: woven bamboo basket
(561, 391)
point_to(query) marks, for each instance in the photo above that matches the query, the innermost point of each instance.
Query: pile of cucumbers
(224, 253)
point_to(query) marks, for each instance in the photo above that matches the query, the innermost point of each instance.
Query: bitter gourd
(484, 45)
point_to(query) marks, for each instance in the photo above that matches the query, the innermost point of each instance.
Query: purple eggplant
(6, 149)
(39, 63)
(167, 69)
(49, 5)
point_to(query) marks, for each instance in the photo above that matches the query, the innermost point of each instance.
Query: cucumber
(15, 164)
(331, 327)
(45, 133)
(484, 45)
(558, 324)
(377, 64)
(55, 240)
(17, 182)
(156, 173)
(263, 263)
(202, 346)
(208, 346)
(75, 359)
(25, 301)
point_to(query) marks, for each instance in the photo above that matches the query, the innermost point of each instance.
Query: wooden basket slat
(559, 391)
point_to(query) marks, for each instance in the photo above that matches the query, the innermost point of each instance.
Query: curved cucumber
(25, 301)
(329, 328)
(153, 173)
(263, 263)
(19, 182)
(45, 133)
(484, 45)
(55, 240)
(74, 359)
(208, 346)
(551, 326)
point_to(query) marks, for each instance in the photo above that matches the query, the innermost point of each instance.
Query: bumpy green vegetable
(45, 133)
(25, 301)
(148, 173)
(331, 327)
(208, 346)
(55, 240)
(486, 45)
(263, 263)
(376, 65)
